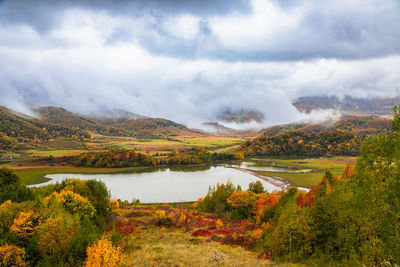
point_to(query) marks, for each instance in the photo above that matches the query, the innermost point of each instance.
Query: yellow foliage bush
(73, 202)
(104, 253)
(160, 214)
(25, 224)
(114, 204)
(242, 199)
(11, 255)
(7, 204)
(8, 211)
(56, 233)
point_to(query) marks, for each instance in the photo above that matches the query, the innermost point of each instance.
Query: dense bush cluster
(226, 200)
(130, 158)
(50, 225)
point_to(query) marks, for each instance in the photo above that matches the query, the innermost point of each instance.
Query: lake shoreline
(275, 181)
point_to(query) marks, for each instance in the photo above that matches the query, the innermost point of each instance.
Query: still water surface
(171, 184)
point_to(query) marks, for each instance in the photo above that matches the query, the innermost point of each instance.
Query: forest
(131, 158)
(343, 138)
(19, 129)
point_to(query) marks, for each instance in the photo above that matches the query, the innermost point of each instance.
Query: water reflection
(178, 183)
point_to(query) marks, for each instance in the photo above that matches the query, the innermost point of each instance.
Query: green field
(211, 143)
(35, 175)
(318, 165)
(54, 153)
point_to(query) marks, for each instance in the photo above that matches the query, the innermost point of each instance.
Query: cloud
(189, 62)
(252, 30)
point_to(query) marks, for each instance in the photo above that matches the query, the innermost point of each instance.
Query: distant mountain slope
(111, 117)
(23, 127)
(65, 117)
(119, 123)
(241, 116)
(349, 105)
(156, 127)
(217, 128)
(342, 137)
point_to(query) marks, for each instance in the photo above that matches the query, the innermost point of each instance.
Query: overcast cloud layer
(190, 60)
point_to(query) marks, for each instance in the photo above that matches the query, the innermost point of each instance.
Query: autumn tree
(256, 187)
(242, 203)
(56, 233)
(25, 224)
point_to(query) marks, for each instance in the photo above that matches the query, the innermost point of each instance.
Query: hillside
(117, 123)
(156, 128)
(217, 128)
(25, 128)
(111, 117)
(241, 116)
(21, 132)
(348, 105)
(342, 137)
(67, 118)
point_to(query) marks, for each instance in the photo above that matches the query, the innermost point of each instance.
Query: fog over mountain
(189, 61)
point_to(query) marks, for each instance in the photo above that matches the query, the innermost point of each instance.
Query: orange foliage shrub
(104, 253)
(257, 233)
(306, 200)
(219, 224)
(25, 224)
(11, 255)
(348, 172)
(265, 201)
(196, 204)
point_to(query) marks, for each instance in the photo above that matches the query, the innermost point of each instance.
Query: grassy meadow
(151, 244)
(318, 167)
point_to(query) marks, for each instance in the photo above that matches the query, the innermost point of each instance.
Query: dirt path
(275, 181)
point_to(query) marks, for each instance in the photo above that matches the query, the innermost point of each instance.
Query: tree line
(131, 158)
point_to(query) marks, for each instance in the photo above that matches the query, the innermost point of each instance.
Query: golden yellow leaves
(25, 224)
(104, 253)
(11, 255)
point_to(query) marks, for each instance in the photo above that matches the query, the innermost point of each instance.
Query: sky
(189, 61)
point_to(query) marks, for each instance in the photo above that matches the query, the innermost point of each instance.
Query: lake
(163, 185)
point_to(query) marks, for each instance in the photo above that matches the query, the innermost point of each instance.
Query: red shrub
(222, 232)
(126, 229)
(266, 254)
(202, 232)
(306, 200)
(244, 241)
